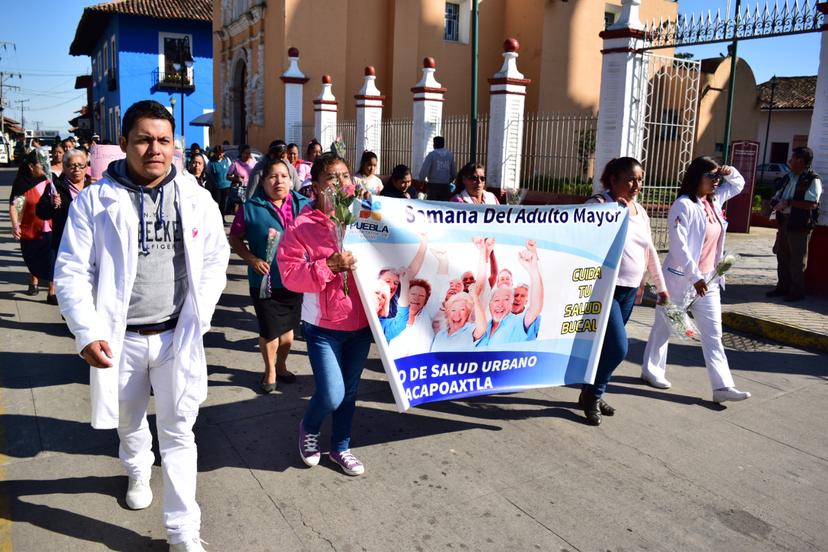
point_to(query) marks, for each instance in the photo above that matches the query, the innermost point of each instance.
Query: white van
(4, 151)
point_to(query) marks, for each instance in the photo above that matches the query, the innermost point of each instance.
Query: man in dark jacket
(795, 204)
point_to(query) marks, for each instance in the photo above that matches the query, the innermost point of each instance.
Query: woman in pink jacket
(334, 324)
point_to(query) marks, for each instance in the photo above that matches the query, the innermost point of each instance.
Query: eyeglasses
(477, 178)
(75, 167)
(713, 175)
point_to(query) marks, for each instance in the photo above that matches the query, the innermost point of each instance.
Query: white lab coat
(95, 271)
(687, 225)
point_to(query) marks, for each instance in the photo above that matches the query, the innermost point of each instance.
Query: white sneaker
(192, 545)
(655, 381)
(139, 494)
(729, 394)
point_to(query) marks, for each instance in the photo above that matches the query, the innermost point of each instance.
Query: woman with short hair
(471, 181)
(697, 230)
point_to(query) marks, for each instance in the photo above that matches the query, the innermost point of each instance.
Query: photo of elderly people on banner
(467, 299)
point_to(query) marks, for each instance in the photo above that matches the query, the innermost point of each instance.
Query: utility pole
(731, 87)
(3, 78)
(21, 105)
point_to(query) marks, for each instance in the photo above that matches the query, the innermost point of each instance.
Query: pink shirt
(285, 213)
(707, 259)
(640, 255)
(242, 168)
(302, 259)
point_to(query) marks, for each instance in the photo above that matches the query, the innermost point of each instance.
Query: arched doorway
(239, 92)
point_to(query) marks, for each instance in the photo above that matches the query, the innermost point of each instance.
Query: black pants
(791, 250)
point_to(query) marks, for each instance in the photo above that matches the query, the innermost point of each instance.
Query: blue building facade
(140, 56)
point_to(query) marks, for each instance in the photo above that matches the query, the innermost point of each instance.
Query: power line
(79, 96)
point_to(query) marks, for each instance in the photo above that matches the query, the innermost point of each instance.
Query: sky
(42, 31)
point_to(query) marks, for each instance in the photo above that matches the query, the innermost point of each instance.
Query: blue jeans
(615, 339)
(337, 359)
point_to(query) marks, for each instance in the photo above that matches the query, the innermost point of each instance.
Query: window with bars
(452, 27)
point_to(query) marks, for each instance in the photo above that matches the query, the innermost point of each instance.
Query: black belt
(153, 329)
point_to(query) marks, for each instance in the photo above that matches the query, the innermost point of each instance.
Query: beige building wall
(713, 106)
(560, 53)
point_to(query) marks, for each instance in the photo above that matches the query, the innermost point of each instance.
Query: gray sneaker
(309, 446)
(729, 394)
(349, 463)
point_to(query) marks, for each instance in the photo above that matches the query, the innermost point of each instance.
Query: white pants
(148, 361)
(707, 314)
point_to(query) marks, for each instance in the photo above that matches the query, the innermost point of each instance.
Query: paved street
(522, 472)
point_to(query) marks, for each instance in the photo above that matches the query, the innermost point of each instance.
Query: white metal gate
(670, 92)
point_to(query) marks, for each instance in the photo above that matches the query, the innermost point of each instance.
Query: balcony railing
(173, 81)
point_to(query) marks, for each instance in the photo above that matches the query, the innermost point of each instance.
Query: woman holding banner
(697, 233)
(260, 222)
(622, 180)
(335, 326)
(472, 180)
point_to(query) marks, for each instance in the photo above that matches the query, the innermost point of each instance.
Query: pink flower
(272, 233)
(349, 189)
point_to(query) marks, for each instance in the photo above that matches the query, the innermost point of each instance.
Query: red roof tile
(789, 93)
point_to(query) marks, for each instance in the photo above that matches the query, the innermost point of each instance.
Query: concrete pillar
(294, 80)
(324, 114)
(507, 90)
(369, 117)
(818, 135)
(817, 272)
(621, 109)
(428, 114)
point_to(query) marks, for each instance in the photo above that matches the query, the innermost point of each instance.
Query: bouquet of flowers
(727, 262)
(678, 317)
(513, 196)
(19, 205)
(270, 254)
(340, 199)
(681, 325)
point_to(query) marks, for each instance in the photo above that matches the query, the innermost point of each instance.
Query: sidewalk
(802, 324)
(518, 472)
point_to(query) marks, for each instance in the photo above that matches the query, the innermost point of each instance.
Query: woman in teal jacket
(261, 224)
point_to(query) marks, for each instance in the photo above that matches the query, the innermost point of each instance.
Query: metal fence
(395, 144)
(558, 153)
(456, 131)
(671, 96)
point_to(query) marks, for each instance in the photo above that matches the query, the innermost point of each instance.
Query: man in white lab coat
(140, 269)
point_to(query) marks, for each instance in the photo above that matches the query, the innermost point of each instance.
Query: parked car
(232, 153)
(772, 171)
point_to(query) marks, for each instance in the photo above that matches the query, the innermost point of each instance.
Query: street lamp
(182, 64)
(773, 83)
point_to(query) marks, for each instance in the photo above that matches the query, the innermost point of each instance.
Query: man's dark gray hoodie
(161, 279)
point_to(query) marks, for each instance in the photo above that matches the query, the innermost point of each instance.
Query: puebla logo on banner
(468, 300)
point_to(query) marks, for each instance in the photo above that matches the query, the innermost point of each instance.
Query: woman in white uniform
(697, 233)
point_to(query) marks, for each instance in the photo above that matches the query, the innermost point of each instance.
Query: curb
(782, 333)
